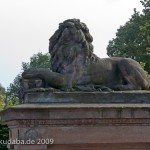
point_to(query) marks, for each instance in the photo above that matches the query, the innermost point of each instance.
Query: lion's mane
(68, 42)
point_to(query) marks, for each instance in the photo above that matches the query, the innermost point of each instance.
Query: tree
(133, 39)
(38, 60)
(4, 136)
(145, 28)
(2, 89)
(2, 97)
(2, 104)
(12, 94)
(4, 131)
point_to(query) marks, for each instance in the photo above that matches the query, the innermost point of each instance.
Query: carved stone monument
(84, 102)
(76, 67)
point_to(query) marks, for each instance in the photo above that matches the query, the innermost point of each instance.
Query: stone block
(83, 126)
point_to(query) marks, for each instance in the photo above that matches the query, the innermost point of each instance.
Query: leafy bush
(4, 136)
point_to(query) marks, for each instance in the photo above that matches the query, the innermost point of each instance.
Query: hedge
(4, 136)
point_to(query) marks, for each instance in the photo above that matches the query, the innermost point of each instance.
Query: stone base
(87, 97)
(79, 126)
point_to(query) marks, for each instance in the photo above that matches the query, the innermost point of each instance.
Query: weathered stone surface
(88, 97)
(80, 126)
(76, 67)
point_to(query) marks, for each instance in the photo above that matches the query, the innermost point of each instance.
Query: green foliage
(2, 104)
(2, 97)
(133, 39)
(38, 60)
(2, 89)
(3, 128)
(4, 135)
(13, 88)
(13, 92)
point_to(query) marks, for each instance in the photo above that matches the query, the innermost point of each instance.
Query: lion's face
(69, 43)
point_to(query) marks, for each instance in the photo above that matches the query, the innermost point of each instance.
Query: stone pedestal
(79, 126)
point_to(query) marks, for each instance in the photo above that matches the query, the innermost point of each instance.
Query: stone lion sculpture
(75, 66)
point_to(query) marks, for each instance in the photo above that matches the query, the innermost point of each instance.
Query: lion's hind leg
(133, 77)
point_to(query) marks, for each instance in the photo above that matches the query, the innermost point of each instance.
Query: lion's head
(70, 44)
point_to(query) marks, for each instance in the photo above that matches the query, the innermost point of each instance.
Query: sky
(27, 25)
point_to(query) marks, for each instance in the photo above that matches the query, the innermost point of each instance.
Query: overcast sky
(27, 25)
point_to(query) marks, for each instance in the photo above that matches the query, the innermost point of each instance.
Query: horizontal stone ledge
(77, 106)
(88, 97)
(75, 111)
